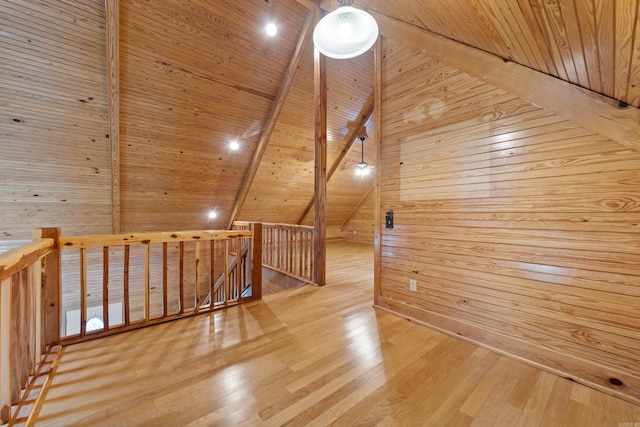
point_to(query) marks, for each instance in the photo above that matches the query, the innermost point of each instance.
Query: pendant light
(362, 167)
(346, 32)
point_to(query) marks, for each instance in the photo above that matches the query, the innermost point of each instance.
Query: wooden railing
(287, 249)
(112, 283)
(29, 290)
(115, 283)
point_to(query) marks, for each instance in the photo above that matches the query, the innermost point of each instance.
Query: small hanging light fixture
(346, 32)
(363, 167)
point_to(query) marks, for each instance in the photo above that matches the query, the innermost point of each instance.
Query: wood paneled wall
(54, 142)
(360, 227)
(519, 226)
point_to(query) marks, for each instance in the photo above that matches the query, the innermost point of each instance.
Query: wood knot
(196, 237)
(615, 381)
(68, 244)
(146, 242)
(173, 236)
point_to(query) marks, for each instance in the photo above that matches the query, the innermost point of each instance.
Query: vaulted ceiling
(197, 74)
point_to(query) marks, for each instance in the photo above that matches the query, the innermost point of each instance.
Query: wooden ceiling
(591, 43)
(196, 74)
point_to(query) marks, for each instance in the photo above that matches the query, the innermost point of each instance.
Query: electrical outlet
(413, 285)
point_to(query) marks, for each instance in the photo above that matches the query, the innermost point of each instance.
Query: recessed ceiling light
(234, 145)
(212, 215)
(272, 30)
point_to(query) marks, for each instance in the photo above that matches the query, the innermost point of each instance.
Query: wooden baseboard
(547, 358)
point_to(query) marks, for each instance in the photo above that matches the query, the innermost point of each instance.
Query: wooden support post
(377, 216)
(256, 260)
(320, 217)
(51, 286)
(113, 77)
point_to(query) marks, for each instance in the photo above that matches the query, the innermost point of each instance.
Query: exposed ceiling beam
(310, 4)
(364, 117)
(588, 109)
(272, 120)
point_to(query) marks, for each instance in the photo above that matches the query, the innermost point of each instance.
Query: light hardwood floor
(312, 356)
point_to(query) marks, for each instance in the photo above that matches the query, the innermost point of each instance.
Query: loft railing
(287, 249)
(112, 283)
(121, 282)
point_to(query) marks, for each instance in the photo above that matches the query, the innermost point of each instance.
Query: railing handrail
(277, 225)
(19, 258)
(98, 241)
(288, 226)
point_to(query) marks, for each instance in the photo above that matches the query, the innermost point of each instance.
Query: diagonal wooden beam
(358, 206)
(267, 130)
(588, 109)
(365, 116)
(310, 4)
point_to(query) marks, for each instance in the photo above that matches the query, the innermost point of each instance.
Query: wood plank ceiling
(591, 43)
(197, 74)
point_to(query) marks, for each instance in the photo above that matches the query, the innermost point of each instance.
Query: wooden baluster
(147, 285)
(127, 319)
(181, 285)
(165, 285)
(292, 247)
(25, 297)
(197, 267)
(83, 292)
(270, 247)
(14, 345)
(299, 254)
(36, 280)
(226, 272)
(105, 286)
(256, 261)
(212, 280)
(306, 255)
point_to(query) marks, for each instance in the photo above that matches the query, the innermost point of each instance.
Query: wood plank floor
(312, 356)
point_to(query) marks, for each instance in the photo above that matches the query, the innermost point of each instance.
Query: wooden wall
(54, 142)
(520, 226)
(360, 226)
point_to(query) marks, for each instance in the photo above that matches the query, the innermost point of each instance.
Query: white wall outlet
(413, 285)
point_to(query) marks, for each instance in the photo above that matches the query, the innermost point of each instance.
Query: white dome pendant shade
(345, 33)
